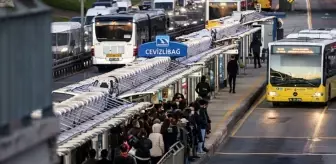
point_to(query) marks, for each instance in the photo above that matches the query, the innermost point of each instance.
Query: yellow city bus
(302, 68)
(212, 23)
(266, 5)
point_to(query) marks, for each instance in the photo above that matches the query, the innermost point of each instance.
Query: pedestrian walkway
(226, 104)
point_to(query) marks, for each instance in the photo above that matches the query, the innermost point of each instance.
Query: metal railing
(71, 65)
(175, 155)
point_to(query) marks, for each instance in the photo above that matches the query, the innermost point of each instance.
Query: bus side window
(138, 34)
(330, 62)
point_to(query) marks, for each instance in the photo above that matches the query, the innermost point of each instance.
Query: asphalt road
(79, 76)
(299, 134)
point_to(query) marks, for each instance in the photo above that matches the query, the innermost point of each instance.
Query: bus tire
(275, 104)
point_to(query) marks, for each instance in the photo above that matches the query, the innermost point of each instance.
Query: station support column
(217, 75)
(95, 145)
(67, 158)
(105, 140)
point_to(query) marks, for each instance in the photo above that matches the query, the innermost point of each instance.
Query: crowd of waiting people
(154, 131)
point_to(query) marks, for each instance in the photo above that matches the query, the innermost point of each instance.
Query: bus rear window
(114, 31)
(164, 5)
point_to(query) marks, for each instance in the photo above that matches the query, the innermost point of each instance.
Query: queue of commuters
(154, 131)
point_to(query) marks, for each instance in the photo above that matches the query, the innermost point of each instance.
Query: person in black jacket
(104, 159)
(142, 153)
(201, 123)
(205, 121)
(255, 48)
(194, 120)
(232, 70)
(203, 88)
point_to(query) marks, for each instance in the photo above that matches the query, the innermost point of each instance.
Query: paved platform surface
(225, 104)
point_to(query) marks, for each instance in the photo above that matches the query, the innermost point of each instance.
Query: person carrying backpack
(124, 157)
(203, 88)
(142, 153)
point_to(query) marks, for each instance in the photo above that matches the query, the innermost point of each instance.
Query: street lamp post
(207, 6)
(82, 26)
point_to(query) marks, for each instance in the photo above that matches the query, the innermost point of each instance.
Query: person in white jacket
(157, 149)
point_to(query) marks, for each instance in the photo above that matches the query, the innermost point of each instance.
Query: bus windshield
(88, 20)
(295, 70)
(60, 39)
(167, 6)
(114, 31)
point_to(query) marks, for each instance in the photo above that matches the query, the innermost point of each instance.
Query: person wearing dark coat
(142, 153)
(193, 120)
(135, 128)
(203, 88)
(255, 48)
(171, 135)
(91, 159)
(104, 159)
(204, 123)
(201, 127)
(232, 70)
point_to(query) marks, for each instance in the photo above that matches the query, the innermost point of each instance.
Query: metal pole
(207, 5)
(246, 2)
(239, 6)
(82, 25)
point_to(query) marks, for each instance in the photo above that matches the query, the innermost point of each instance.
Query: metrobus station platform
(225, 109)
(92, 112)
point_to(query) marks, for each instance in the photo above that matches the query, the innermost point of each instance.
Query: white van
(102, 10)
(128, 3)
(123, 6)
(65, 39)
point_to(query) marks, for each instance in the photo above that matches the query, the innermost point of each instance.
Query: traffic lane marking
(263, 145)
(327, 125)
(270, 137)
(319, 122)
(284, 122)
(279, 154)
(240, 100)
(285, 137)
(241, 122)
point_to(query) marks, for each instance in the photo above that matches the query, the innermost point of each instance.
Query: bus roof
(310, 37)
(59, 27)
(101, 10)
(136, 15)
(303, 41)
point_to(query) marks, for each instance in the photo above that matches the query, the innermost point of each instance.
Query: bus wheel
(275, 104)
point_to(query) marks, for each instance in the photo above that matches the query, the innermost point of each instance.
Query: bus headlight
(182, 10)
(272, 93)
(64, 49)
(318, 94)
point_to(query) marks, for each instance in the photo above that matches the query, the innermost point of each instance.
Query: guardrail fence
(175, 155)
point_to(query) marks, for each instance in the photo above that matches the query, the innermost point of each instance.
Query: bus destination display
(280, 49)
